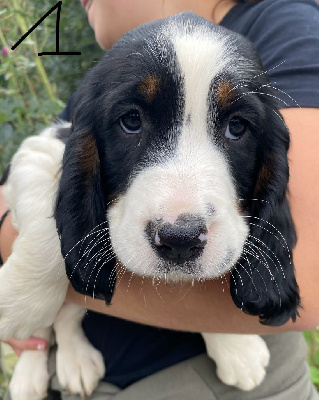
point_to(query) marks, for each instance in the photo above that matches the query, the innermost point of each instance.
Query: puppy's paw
(30, 378)
(79, 366)
(241, 359)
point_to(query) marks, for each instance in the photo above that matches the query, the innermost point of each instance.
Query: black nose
(181, 241)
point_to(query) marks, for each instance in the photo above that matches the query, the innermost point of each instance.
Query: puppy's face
(178, 164)
(175, 132)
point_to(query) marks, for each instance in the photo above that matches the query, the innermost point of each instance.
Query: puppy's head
(177, 164)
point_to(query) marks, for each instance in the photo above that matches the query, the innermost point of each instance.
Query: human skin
(208, 307)
(110, 19)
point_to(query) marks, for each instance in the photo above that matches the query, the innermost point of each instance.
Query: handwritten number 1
(57, 41)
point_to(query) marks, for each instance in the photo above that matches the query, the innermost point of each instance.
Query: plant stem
(38, 61)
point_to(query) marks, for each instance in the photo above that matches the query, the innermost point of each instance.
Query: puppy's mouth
(190, 270)
(182, 271)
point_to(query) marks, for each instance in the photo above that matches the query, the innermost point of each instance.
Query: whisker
(95, 255)
(260, 93)
(251, 277)
(101, 232)
(157, 291)
(235, 283)
(99, 270)
(284, 245)
(261, 260)
(267, 255)
(272, 277)
(262, 200)
(79, 242)
(277, 230)
(283, 92)
(255, 269)
(258, 75)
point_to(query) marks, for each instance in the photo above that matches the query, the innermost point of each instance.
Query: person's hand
(33, 343)
(7, 232)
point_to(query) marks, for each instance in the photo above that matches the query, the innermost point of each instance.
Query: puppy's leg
(33, 282)
(79, 365)
(241, 359)
(30, 378)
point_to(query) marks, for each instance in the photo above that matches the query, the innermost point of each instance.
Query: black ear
(81, 218)
(263, 281)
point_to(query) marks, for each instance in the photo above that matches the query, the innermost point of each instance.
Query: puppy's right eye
(131, 122)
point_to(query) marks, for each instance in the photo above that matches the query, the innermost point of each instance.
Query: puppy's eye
(131, 122)
(236, 128)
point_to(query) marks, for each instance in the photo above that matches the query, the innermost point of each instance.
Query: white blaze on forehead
(201, 57)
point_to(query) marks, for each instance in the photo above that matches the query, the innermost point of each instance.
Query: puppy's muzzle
(179, 241)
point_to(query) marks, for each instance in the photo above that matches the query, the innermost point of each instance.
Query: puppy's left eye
(236, 128)
(131, 122)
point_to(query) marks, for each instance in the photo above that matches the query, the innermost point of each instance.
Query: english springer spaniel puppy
(175, 166)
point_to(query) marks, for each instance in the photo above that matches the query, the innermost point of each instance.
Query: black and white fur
(176, 166)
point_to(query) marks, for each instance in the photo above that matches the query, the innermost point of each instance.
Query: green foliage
(312, 338)
(33, 90)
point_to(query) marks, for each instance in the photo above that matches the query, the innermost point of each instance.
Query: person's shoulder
(286, 35)
(249, 19)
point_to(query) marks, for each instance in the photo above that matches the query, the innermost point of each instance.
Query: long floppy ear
(263, 281)
(81, 219)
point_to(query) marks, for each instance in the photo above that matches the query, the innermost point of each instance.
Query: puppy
(175, 165)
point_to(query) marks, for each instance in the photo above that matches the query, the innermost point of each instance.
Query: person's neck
(213, 10)
(221, 9)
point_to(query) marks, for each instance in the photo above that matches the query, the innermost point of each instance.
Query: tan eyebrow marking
(225, 94)
(149, 87)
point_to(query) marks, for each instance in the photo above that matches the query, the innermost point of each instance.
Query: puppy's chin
(172, 272)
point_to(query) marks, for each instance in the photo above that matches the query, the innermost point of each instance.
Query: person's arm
(207, 307)
(7, 232)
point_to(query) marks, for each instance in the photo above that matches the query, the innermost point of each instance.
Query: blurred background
(33, 91)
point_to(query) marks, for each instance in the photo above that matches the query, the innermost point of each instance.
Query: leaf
(314, 374)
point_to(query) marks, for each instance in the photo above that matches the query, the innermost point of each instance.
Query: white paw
(241, 359)
(24, 305)
(79, 367)
(30, 378)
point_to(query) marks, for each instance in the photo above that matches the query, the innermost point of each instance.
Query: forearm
(202, 307)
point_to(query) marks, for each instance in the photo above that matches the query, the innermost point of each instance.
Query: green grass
(8, 361)
(312, 338)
